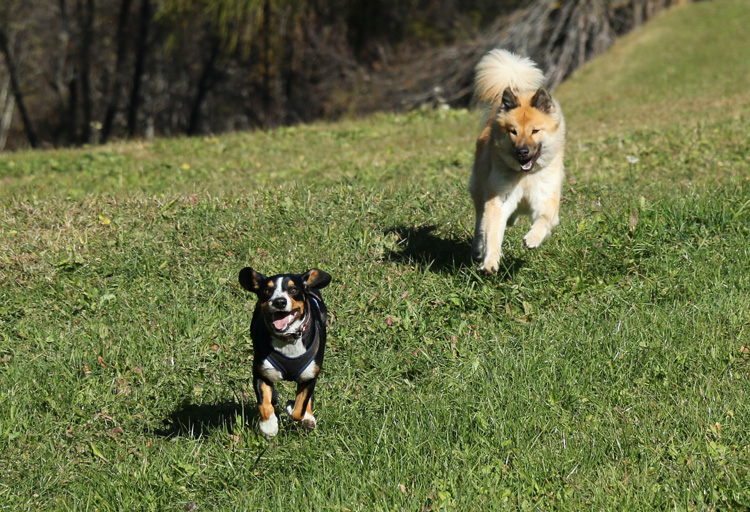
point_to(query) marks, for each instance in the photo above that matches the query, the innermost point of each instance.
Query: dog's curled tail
(500, 69)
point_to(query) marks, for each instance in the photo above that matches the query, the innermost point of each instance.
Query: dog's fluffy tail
(500, 69)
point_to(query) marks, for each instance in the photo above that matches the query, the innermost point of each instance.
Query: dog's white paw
(308, 420)
(535, 237)
(270, 427)
(491, 262)
(489, 268)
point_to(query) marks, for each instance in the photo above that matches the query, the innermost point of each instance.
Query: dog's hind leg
(477, 196)
(301, 408)
(477, 243)
(513, 219)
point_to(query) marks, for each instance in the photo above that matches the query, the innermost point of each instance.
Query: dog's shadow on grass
(193, 420)
(420, 245)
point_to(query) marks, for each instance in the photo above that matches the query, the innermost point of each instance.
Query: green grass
(677, 69)
(607, 370)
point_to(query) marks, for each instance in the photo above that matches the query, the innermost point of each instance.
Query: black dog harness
(290, 367)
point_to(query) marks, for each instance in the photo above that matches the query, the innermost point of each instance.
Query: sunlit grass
(679, 69)
(606, 370)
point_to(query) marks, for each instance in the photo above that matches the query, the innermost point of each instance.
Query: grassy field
(607, 370)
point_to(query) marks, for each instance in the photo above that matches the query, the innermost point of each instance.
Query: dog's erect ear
(509, 101)
(250, 279)
(542, 101)
(315, 278)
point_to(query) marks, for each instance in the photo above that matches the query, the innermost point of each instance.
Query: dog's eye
(293, 290)
(534, 132)
(268, 291)
(512, 131)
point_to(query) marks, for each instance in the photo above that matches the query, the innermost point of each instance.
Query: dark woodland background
(78, 72)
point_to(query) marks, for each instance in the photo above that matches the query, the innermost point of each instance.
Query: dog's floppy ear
(509, 101)
(315, 278)
(542, 101)
(250, 279)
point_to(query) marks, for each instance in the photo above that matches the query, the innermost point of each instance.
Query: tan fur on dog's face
(523, 124)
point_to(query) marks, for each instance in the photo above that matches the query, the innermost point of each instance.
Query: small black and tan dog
(289, 338)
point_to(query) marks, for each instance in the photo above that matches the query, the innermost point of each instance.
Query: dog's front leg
(301, 408)
(269, 423)
(496, 214)
(543, 220)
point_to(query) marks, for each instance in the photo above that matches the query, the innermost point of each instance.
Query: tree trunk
(266, 80)
(63, 83)
(114, 93)
(15, 86)
(204, 85)
(85, 74)
(140, 67)
(7, 103)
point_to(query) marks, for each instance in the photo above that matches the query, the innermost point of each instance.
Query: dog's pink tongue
(281, 320)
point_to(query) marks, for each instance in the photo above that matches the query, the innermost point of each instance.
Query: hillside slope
(681, 68)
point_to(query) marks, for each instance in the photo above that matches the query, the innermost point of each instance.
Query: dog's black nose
(522, 152)
(279, 303)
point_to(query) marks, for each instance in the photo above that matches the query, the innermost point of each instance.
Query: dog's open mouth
(281, 320)
(527, 165)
